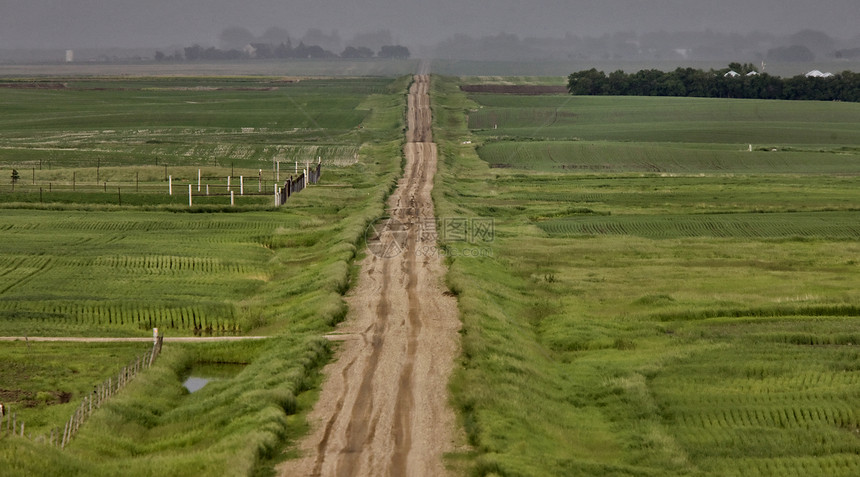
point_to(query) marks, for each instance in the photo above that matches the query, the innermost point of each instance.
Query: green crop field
(666, 135)
(656, 300)
(126, 141)
(828, 225)
(93, 245)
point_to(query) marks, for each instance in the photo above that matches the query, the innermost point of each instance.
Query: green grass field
(666, 135)
(76, 262)
(666, 303)
(695, 318)
(121, 141)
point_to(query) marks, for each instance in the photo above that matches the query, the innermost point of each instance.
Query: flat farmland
(115, 137)
(657, 299)
(93, 245)
(672, 135)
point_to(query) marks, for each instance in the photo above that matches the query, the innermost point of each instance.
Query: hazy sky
(158, 23)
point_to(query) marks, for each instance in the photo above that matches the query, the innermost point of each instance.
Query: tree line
(282, 50)
(737, 81)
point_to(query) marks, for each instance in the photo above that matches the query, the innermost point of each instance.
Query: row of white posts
(242, 183)
(199, 187)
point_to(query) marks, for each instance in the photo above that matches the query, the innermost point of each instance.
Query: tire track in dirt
(383, 409)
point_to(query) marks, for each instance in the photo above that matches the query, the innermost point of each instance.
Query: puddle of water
(194, 384)
(204, 373)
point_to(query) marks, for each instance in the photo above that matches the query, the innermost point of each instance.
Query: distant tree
(716, 84)
(394, 51)
(263, 50)
(589, 82)
(275, 36)
(617, 83)
(235, 38)
(312, 51)
(284, 50)
(15, 176)
(194, 52)
(360, 52)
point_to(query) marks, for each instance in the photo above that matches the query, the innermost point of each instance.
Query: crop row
(787, 416)
(79, 223)
(845, 464)
(839, 225)
(161, 264)
(211, 317)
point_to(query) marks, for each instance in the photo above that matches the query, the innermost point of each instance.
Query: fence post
(189, 195)
(232, 199)
(169, 185)
(241, 185)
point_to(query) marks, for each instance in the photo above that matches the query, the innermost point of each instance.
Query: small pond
(202, 374)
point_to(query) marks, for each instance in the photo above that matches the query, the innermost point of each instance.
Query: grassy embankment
(83, 269)
(620, 326)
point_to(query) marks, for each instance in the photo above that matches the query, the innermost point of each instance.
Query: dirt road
(384, 407)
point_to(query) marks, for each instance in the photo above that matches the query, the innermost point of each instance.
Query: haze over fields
(35, 24)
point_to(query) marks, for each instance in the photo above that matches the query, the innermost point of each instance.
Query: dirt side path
(178, 339)
(383, 409)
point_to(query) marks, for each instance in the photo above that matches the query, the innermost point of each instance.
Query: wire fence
(91, 402)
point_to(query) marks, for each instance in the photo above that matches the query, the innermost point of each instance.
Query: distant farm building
(818, 74)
